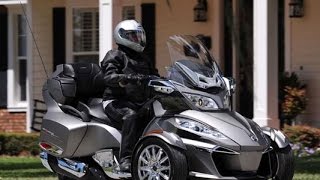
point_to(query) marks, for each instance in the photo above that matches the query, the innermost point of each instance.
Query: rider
(124, 69)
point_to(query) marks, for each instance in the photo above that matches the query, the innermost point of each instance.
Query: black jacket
(117, 65)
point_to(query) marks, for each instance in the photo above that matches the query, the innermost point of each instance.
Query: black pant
(126, 111)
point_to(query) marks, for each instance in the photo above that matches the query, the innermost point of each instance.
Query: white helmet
(131, 34)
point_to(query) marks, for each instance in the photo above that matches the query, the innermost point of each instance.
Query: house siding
(174, 17)
(305, 54)
(42, 19)
(42, 28)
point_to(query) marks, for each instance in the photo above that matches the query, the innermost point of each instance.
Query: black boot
(125, 164)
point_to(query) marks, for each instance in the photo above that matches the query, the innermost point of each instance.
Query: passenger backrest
(71, 82)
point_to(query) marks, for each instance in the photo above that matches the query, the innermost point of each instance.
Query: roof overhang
(13, 2)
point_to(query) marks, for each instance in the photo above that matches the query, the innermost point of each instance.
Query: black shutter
(148, 12)
(59, 36)
(3, 55)
(228, 27)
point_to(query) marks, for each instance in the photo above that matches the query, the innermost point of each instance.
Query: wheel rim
(154, 164)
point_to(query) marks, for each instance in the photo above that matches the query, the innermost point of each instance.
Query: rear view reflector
(50, 148)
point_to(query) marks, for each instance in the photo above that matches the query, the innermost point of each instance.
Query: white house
(68, 31)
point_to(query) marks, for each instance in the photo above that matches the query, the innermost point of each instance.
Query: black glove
(151, 77)
(138, 79)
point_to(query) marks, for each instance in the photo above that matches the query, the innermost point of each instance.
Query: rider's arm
(112, 66)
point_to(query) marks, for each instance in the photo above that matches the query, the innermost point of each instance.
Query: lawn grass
(307, 168)
(26, 168)
(30, 168)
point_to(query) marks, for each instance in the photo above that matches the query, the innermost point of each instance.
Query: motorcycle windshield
(192, 64)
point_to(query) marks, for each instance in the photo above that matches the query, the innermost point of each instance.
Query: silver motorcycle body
(192, 133)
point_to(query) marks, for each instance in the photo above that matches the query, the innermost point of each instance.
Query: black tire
(282, 163)
(176, 159)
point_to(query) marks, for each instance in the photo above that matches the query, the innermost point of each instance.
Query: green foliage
(307, 168)
(305, 135)
(19, 144)
(292, 97)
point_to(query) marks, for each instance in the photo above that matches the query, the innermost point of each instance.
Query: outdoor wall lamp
(200, 11)
(296, 8)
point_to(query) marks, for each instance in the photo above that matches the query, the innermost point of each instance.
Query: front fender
(170, 138)
(276, 136)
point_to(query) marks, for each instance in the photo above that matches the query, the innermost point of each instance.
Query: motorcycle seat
(94, 109)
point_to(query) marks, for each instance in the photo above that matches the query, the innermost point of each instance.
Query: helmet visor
(136, 36)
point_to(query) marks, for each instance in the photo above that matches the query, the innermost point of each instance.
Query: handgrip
(73, 110)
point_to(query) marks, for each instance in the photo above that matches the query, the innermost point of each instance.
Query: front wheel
(282, 163)
(155, 159)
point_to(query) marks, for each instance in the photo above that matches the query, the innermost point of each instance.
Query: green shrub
(19, 144)
(305, 135)
(292, 97)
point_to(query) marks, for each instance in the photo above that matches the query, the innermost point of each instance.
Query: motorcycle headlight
(202, 102)
(199, 128)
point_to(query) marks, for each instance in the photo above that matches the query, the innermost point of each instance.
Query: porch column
(28, 10)
(105, 27)
(266, 63)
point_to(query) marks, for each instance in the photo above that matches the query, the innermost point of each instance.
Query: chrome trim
(154, 163)
(228, 151)
(76, 168)
(104, 158)
(44, 160)
(209, 147)
(270, 148)
(198, 144)
(208, 176)
(109, 164)
(118, 175)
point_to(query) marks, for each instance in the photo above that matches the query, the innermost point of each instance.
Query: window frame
(14, 102)
(125, 10)
(70, 33)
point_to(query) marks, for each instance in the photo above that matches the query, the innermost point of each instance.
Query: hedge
(305, 135)
(19, 144)
(27, 144)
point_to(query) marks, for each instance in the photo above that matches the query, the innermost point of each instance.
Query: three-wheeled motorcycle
(192, 131)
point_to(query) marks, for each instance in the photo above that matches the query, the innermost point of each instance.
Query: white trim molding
(14, 105)
(265, 64)
(12, 2)
(29, 67)
(105, 27)
(70, 6)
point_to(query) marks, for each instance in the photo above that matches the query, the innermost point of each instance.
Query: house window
(86, 35)
(21, 71)
(128, 12)
(17, 71)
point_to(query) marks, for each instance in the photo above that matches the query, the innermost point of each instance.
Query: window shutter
(59, 36)
(3, 55)
(148, 14)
